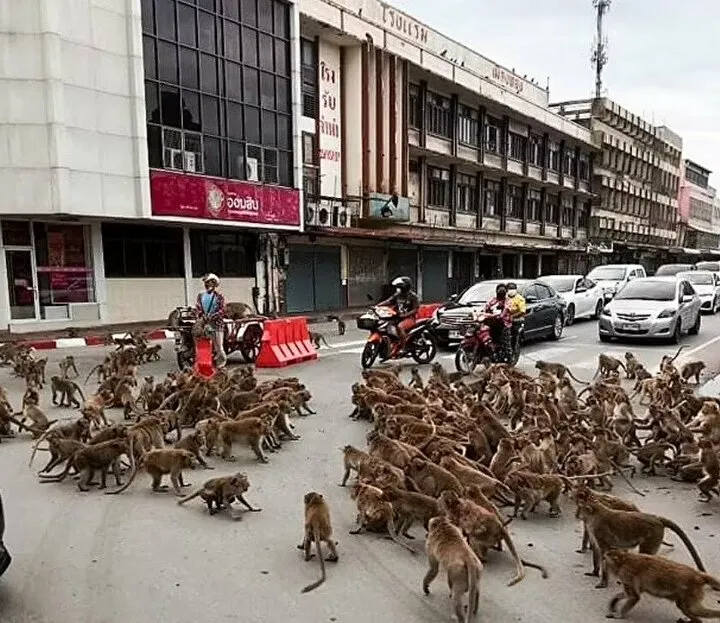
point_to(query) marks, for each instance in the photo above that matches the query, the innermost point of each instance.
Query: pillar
(98, 264)
(520, 266)
(187, 255)
(539, 268)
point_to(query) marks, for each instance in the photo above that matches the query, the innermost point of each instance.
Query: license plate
(454, 335)
(631, 327)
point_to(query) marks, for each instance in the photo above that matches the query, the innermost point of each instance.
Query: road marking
(348, 344)
(692, 351)
(349, 351)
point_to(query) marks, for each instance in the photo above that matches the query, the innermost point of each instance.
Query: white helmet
(211, 277)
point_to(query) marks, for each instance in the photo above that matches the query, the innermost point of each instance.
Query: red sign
(194, 196)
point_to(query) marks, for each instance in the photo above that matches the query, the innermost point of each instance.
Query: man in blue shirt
(210, 306)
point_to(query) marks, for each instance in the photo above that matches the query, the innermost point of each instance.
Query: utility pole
(599, 56)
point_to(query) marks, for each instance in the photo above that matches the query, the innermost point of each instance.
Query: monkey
(500, 462)
(104, 371)
(61, 449)
(157, 463)
(641, 374)
(692, 369)
(409, 507)
(631, 364)
(609, 529)
(416, 380)
(253, 429)
(94, 408)
(608, 364)
(192, 443)
(318, 338)
(667, 360)
(557, 369)
(432, 479)
(341, 325)
(352, 459)
(238, 311)
(651, 453)
(530, 488)
(659, 577)
(66, 389)
(711, 466)
(79, 430)
(446, 546)
(40, 423)
(222, 492)
(317, 529)
(146, 390)
(67, 364)
(102, 456)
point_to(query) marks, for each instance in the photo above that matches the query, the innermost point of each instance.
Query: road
(139, 558)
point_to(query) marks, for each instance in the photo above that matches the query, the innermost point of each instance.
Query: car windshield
(479, 293)
(608, 273)
(712, 266)
(672, 269)
(648, 291)
(698, 279)
(559, 283)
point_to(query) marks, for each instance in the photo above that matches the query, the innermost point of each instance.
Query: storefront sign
(330, 138)
(388, 208)
(194, 196)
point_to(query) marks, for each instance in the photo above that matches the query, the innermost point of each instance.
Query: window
(217, 80)
(553, 162)
(492, 135)
(552, 209)
(569, 166)
(543, 291)
(536, 151)
(567, 212)
(514, 202)
(438, 187)
(142, 251)
(516, 146)
(414, 106)
(492, 191)
(226, 254)
(438, 115)
(466, 195)
(309, 78)
(584, 216)
(468, 120)
(584, 168)
(534, 198)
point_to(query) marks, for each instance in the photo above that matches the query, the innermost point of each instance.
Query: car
(668, 270)
(651, 308)
(713, 267)
(707, 286)
(611, 277)
(584, 298)
(545, 310)
(5, 558)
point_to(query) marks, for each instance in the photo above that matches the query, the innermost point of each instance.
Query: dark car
(670, 270)
(545, 310)
(5, 557)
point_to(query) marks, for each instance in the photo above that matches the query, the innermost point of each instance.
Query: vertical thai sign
(330, 134)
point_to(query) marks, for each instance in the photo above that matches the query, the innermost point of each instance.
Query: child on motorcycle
(499, 309)
(406, 304)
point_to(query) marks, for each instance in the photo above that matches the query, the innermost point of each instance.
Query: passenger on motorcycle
(516, 302)
(499, 333)
(406, 304)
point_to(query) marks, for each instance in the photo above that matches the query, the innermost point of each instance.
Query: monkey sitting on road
(318, 529)
(222, 492)
(631, 364)
(159, 462)
(692, 369)
(340, 323)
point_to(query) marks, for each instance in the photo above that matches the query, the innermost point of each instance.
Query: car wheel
(598, 309)
(714, 308)
(677, 333)
(696, 327)
(557, 328)
(570, 318)
(604, 338)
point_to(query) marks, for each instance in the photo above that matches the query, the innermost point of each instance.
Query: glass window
(269, 135)
(142, 251)
(208, 74)
(233, 81)
(191, 111)
(250, 86)
(265, 15)
(16, 233)
(252, 124)
(206, 31)
(170, 106)
(210, 118)
(232, 41)
(282, 92)
(167, 62)
(249, 12)
(281, 56)
(267, 90)
(235, 121)
(231, 9)
(236, 160)
(189, 68)
(230, 255)
(152, 102)
(148, 16)
(281, 19)
(149, 58)
(249, 47)
(284, 134)
(154, 139)
(266, 52)
(213, 156)
(187, 27)
(165, 19)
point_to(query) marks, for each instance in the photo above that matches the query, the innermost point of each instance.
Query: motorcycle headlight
(667, 313)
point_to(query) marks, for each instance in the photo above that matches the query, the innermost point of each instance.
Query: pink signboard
(194, 196)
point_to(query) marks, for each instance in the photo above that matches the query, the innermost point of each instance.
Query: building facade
(421, 157)
(699, 232)
(636, 180)
(144, 143)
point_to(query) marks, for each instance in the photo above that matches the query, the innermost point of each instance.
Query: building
(636, 179)
(699, 232)
(422, 157)
(143, 143)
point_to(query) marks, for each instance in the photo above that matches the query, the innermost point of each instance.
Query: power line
(599, 56)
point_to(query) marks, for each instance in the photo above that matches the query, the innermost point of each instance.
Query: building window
(552, 209)
(569, 166)
(584, 168)
(514, 202)
(492, 191)
(536, 155)
(414, 106)
(309, 78)
(227, 254)
(217, 79)
(438, 117)
(516, 146)
(468, 120)
(492, 135)
(554, 156)
(310, 168)
(438, 187)
(142, 251)
(534, 197)
(466, 195)
(567, 212)
(584, 216)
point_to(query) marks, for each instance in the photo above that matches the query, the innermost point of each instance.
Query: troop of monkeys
(448, 452)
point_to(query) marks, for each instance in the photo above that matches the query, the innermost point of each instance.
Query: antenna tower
(599, 56)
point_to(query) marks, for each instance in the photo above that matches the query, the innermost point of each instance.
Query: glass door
(22, 288)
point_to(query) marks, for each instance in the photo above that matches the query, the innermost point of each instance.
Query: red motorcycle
(477, 344)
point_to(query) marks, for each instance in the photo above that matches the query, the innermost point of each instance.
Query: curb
(90, 340)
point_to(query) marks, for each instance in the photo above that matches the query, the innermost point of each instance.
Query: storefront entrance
(22, 288)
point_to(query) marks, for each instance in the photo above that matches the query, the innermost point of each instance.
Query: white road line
(348, 344)
(692, 351)
(348, 351)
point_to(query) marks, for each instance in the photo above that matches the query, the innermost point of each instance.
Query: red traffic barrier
(284, 342)
(204, 358)
(427, 311)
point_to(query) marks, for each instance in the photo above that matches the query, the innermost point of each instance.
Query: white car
(584, 298)
(707, 286)
(612, 277)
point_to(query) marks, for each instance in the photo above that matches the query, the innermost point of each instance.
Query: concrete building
(636, 179)
(699, 232)
(142, 144)
(424, 158)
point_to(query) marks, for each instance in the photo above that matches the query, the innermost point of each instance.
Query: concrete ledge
(91, 340)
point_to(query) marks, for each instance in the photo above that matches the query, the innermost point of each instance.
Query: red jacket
(505, 315)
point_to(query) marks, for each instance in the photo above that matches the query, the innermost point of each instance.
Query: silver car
(652, 308)
(707, 286)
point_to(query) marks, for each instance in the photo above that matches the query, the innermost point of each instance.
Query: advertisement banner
(330, 138)
(388, 207)
(194, 196)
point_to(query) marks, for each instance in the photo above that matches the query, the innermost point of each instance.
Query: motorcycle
(420, 344)
(243, 336)
(474, 347)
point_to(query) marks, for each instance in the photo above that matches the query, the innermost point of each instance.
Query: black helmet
(403, 283)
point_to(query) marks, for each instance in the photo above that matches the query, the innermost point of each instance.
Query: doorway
(22, 288)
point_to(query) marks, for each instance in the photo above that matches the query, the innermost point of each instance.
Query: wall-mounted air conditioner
(252, 170)
(311, 213)
(173, 158)
(189, 161)
(343, 216)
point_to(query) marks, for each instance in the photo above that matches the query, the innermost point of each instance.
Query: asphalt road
(139, 558)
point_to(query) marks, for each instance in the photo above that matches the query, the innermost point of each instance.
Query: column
(503, 200)
(98, 265)
(453, 196)
(187, 256)
(540, 267)
(498, 265)
(454, 116)
(423, 113)
(520, 266)
(480, 203)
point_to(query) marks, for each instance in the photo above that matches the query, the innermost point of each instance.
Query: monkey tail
(622, 365)
(594, 375)
(78, 390)
(543, 571)
(314, 585)
(134, 470)
(97, 367)
(518, 561)
(712, 582)
(679, 350)
(576, 379)
(192, 496)
(671, 525)
(37, 443)
(474, 567)
(58, 477)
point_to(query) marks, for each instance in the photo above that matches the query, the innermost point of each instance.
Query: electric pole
(599, 56)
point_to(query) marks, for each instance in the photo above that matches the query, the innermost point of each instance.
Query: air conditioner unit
(173, 158)
(251, 170)
(343, 216)
(311, 212)
(189, 161)
(324, 214)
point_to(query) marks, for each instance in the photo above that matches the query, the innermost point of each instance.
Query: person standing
(210, 306)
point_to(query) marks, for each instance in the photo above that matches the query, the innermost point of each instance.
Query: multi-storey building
(424, 158)
(699, 212)
(142, 144)
(636, 179)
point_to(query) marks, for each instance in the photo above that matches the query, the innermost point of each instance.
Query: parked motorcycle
(420, 344)
(473, 348)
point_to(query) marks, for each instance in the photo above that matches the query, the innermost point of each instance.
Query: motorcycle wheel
(464, 361)
(424, 348)
(369, 355)
(185, 361)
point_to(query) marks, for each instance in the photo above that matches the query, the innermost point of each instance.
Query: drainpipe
(296, 106)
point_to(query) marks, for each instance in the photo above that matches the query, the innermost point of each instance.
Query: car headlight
(668, 313)
(606, 312)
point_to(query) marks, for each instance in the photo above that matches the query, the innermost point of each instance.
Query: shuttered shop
(434, 276)
(313, 279)
(366, 274)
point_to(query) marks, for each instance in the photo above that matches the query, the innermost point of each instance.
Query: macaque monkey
(317, 339)
(252, 428)
(631, 364)
(157, 463)
(692, 369)
(608, 364)
(67, 391)
(557, 369)
(222, 492)
(318, 529)
(66, 365)
(711, 466)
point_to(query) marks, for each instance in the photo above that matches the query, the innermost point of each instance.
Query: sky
(664, 55)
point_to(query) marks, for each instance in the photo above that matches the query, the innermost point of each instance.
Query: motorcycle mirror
(453, 297)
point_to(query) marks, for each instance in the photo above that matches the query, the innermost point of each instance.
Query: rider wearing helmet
(406, 303)
(210, 306)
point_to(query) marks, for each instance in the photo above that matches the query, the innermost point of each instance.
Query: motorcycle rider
(406, 304)
(210, 306)
(499, 307)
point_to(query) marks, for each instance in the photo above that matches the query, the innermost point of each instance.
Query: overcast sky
(664, 55)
